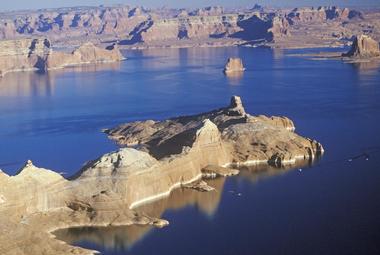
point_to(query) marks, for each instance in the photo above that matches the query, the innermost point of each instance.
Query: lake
(55, 119)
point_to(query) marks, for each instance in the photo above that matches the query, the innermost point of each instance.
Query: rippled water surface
(55, 119)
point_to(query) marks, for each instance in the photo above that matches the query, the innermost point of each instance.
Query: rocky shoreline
(169, 154)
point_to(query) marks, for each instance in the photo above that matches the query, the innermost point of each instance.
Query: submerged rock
(363, 47)
(234, 65)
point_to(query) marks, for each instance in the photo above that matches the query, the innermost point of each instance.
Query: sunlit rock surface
(169, 154)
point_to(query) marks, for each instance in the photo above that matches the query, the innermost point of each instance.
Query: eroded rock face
(363, 47)
(234, 65)
(37, 54)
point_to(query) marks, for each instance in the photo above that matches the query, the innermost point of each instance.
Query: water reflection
(122, 238)
(27, 84)
(114, 66)
(200, 58)
(34, 84)
(367, 67)
(234, 78)
(259, 172)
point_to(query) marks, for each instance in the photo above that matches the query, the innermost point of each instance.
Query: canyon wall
(164, 27)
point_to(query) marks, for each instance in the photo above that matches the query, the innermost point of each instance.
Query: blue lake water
(55, 119)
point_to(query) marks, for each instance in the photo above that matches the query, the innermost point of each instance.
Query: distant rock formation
(363, 46)
(208, 11)
(37, 54)
(73, 22)
(322, 14)
(137, 27)
(234, 65)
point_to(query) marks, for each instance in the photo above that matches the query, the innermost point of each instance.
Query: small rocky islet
(234, 65)
(168, 154)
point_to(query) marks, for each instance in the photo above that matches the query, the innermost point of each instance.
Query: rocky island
(234, 65)
(167, 154)
(38, 55)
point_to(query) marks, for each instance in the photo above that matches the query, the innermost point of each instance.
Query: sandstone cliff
(37, 54)
(363, 47)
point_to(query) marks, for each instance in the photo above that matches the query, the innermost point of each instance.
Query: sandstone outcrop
(234, 65)
(37, 54)
(363, 46)
(170, 154)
